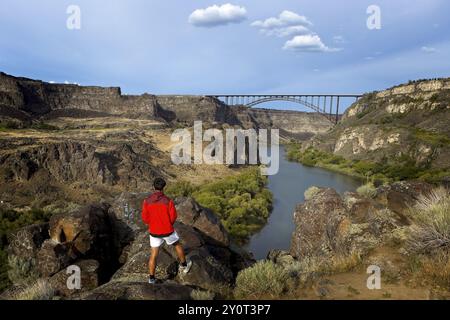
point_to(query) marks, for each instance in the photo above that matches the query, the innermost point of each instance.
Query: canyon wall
(24, 99)
(409, 122)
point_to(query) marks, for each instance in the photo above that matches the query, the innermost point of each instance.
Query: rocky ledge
(110, 245)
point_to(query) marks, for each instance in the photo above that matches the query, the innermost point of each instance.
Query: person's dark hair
(159, 184)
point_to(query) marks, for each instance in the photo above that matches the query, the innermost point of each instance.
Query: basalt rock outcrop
(112, 251)
(406, 122)
(328, 225)
(26, 99)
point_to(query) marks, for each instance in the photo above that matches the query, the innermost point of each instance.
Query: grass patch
(431, 231)
(242, 202)
(368, 190)
(265, 280)
(429, 239)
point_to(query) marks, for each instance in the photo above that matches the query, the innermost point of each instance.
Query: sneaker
(151, 280)
(186, 269)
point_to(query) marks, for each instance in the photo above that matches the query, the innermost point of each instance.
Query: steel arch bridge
(324, 104)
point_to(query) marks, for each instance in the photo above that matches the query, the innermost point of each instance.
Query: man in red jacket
(159, 213)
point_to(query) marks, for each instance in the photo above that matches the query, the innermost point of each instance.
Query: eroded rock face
(36, 98)
(328, 225)
(405, 121)
(71, 161)
(88, 230)
(53, 257)
(317, 223)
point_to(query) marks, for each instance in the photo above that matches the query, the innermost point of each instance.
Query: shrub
(265, 279)
(180, 189)
(242, 202)
(311, 192)
(21, 270)
(367, 190)
(431, 231)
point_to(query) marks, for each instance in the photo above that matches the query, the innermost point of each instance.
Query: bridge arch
(324, 104)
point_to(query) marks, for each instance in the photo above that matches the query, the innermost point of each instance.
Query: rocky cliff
(110, 245)
(24, 100)
(409, 122)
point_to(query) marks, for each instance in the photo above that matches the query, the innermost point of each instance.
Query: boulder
(202, 219)
(87, 231)
(206, 273)
(89, 279)
(53, 257)
(118, 290)
(137, 266)
(317, 224)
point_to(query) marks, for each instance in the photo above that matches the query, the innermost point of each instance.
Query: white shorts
(170, 240)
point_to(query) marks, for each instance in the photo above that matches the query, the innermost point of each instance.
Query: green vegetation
(10, 221)
(242, 202)
(378, 173)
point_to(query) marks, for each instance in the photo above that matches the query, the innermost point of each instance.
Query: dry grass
(437, 269)
(264, 280)
(40, 290)
(368, 190)
(431, 231)
(343, 263)
(311, 192)
(202, 295)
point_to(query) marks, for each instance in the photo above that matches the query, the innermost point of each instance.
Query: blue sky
(161, 47)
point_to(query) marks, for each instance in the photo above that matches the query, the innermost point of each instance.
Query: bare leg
(180, 253)
(152, 261)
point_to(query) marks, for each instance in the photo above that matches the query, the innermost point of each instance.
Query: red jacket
(159, 213)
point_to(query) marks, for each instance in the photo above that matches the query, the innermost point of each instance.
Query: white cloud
(308, 43)
(218, 15)
(429, 50)
(286, 32)
(285, 19)
(297, 27)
